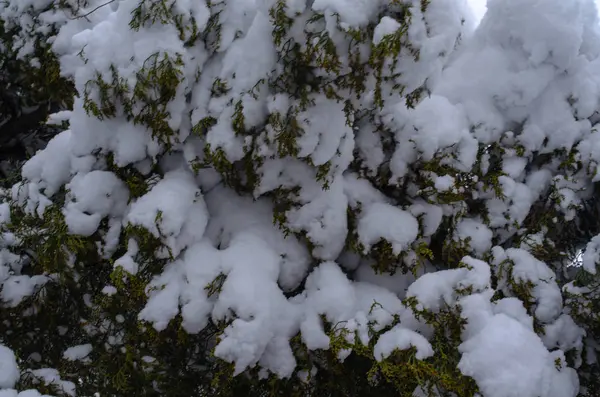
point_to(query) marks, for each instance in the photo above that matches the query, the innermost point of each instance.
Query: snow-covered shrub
(29, 69)
(293, 197)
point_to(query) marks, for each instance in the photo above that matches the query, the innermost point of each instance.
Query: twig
(94, 10)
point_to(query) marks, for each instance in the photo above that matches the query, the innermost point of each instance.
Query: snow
(526, 268)
(565, 335)
(77, 352)
(354, 13)
(94, 196)
(129, 143)
(514, 308)
(9, 371)
(506, 353)
(259, 306)
(25, 393)
(401, 339)
(430, 216)
(243, 76)
(174, 211)
(397, 283)
(479, 8)
(272, 259)
(444, 183)
(50, 168)
(15, 286)
(52, 377)
(326, 133)
(109, 290)
(232, 213)
(126, 262)
(387, 26)
(18, 287)
(323, 216)
(591, 256)
(433, 290)
(326, 288)
(433, 125)
(383, 221)
(479, 235)
(501, 350)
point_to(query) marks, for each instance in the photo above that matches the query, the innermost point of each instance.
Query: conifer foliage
(305, 198)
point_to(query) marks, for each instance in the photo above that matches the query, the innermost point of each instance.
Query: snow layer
(173, 210)
(400, 338)
(526, 80)
(507, 359)
(78, 352)
(383, 221)
(9, 371)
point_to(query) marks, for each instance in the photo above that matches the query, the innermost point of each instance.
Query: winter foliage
(305, 197)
